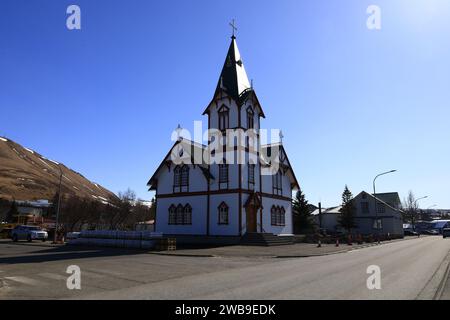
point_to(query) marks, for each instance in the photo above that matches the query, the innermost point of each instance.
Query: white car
(28, 233)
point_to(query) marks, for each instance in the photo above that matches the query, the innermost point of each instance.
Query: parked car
(446, 232)
(431, 232)
(28, 233)
(410, 233)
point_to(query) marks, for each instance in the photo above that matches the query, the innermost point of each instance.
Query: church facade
(235, 184)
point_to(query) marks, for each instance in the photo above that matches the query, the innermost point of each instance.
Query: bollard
(337, 242)
(349, 241)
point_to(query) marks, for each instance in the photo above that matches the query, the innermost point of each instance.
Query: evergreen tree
(301, 214)
(347, 213)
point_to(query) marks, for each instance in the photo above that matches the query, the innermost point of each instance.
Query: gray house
(386, 219)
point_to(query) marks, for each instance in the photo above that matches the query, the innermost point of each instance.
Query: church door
(251, 218)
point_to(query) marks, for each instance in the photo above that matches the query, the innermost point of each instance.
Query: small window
(381, 208)
(277, 183)
(224, 119)
(180, 214)
(378, 224)
(278, 216)
(187, 218)
(250, 118)
(223, 173)
(364, 207)
(172, 214)
(223, 213)
(251, 176)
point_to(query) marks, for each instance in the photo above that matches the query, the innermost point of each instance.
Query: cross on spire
(233, 26)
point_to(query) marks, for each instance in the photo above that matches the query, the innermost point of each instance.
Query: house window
(180, 214)
(184, 176)
(223, 213)
(381, 208)
(180, 178)
(223, 173)
(224, 119)
(278, 216)
(277, 183)
(378, 224)
(250, 118)
(187, 218)
(172, 215)
(364, 207)
(251, 176)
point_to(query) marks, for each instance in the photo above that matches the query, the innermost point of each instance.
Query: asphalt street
(410, 269)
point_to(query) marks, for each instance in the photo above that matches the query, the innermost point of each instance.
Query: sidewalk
(297, 250)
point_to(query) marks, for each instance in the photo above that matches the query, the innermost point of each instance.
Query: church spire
(233, 78)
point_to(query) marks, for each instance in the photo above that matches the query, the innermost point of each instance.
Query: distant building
(387, 219)
(32, 211)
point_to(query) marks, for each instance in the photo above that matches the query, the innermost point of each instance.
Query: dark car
(445, 233)
(410, 233)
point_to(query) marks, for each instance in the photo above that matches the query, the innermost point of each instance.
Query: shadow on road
(66, 253)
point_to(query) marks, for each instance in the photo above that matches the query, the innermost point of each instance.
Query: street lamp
(59, 203)
(375, 197)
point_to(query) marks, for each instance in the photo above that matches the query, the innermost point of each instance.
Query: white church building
(234, 185)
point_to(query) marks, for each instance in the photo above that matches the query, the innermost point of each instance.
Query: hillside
(27, 175)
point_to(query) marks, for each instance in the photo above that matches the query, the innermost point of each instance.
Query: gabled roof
(233, 81)
(189, 148)
(281, 149)
(389, 197)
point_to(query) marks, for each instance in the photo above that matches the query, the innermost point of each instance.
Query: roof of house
(389, 197)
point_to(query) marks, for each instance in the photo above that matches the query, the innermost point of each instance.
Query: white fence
(118, 239)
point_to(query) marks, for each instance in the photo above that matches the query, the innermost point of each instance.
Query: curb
(185, 255)
(49, 245)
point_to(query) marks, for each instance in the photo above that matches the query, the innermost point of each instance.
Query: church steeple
(233, 78)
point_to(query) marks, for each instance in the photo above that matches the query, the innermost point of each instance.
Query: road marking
(25, 280)
(52, 276)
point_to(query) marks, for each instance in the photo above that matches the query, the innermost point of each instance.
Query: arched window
(224, 118)
(184, 176)
(223, 175)
(282, 217)
(180, 213)
(250, 118)
(278, 216)
(172, 214)
(277, 183)
(223, 213)
(176, 176)
(187, 219)
(273, 216)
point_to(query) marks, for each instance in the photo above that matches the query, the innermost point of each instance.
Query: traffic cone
(319, 244)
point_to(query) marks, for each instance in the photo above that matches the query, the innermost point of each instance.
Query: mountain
(27, 175)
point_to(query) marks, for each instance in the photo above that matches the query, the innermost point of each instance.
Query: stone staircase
(265, 239)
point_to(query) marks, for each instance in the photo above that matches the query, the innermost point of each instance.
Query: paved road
(406, 269)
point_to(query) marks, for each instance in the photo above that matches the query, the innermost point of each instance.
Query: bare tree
(410, 209)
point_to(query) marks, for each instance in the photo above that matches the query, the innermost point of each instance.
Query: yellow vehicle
(5, 230)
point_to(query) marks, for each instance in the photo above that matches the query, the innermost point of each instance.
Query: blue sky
(352, 102)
